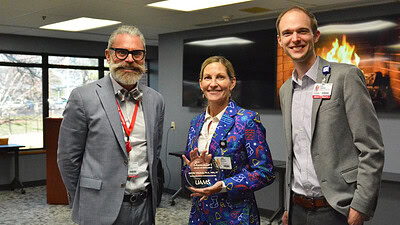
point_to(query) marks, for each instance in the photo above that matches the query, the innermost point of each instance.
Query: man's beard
(126, 78)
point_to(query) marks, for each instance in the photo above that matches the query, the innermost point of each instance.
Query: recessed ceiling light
(221, 41)
(357, 27)
(395, 46)
(191, 5)
(80, 24)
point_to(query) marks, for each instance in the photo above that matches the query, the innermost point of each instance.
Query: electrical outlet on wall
(172, 125)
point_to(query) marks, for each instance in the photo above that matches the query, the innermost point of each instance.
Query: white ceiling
(24, 17)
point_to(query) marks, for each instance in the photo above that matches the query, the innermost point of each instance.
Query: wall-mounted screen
(372, 44)
(253, 55)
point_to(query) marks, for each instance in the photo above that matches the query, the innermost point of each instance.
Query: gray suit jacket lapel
(317, 101)
(288, 113)
(106, 95)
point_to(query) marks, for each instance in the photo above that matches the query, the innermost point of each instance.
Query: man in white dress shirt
(110, 140)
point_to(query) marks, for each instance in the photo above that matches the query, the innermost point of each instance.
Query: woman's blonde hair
(223, 61)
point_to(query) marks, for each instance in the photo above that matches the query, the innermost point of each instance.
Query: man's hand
(285, 218)
(355, 217)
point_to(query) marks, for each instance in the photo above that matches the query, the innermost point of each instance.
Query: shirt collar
(117, 86)
(219, 116)
(311, 73)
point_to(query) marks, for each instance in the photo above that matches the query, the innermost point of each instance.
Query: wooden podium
(56, 192)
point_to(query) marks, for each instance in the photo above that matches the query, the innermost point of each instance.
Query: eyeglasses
(122, 53)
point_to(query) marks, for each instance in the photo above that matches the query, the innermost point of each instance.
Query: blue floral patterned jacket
(243, 135)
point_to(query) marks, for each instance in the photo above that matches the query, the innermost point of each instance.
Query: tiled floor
(31, 208)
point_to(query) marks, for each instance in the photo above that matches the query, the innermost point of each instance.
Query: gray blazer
(346, 143)
(92, 155)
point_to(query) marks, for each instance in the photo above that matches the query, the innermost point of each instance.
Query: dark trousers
(319, 216)
(138, 213)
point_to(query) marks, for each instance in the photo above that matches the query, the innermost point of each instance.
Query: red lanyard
(128, 130)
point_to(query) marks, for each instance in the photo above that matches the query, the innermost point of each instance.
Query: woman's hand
(201, 160)
(205, 192)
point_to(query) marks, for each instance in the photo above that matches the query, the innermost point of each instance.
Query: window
(21, 108)
(22, 91)
(74, 72)
(20, 58)
(27, 79)
(73, 61)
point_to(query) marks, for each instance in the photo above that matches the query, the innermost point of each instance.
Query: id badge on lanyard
(323, 90)
(133, 167)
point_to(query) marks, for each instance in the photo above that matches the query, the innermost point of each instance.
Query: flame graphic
(341, 53)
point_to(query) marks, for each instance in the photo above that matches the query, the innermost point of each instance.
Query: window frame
(45, 66)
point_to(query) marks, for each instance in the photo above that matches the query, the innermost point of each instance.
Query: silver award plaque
(203, 175)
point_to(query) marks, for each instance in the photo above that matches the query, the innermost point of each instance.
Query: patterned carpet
(31, 208)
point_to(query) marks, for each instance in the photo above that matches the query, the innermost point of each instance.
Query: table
(15, 183)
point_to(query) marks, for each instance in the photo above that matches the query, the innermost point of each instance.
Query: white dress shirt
(138, 141)
(208, 130)
(304, 181)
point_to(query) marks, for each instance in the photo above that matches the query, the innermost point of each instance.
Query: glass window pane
(20, 58)
(106, 64)
(73, 61)
(62, 82)
(21, 111)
